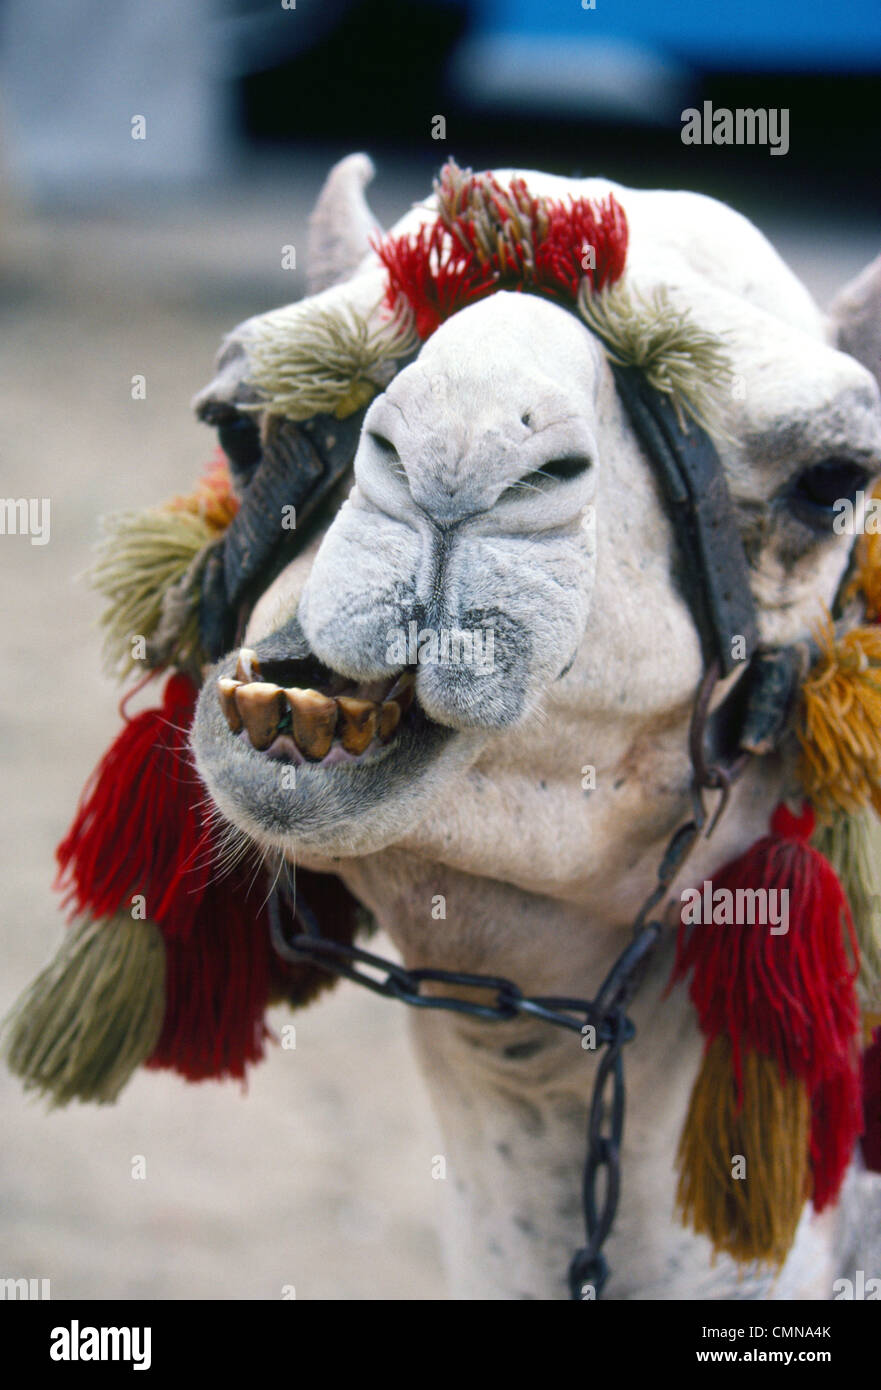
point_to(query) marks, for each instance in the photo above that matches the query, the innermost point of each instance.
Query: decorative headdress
(168, 962)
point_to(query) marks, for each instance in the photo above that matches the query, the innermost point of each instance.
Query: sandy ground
(320, 1175)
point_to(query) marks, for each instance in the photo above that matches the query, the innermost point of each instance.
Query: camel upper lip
(299, 710)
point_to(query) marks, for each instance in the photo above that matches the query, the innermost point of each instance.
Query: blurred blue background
(746, 34)
(551, 82)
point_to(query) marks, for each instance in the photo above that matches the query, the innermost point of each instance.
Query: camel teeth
(261, 707)
(226, 689)
(314, 719)
(247, 666)
(358, 720)
(389, 719)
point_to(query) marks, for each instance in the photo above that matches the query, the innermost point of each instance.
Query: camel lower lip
(283, 749)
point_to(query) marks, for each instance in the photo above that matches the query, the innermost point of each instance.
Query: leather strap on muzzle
(298, 466)
(715, 573)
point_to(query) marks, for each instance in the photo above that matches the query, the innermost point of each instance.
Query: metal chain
(395, 981)
(589, 1269)
(607, 1013)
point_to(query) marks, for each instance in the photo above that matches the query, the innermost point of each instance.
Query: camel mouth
(297, 710)
(301, 757)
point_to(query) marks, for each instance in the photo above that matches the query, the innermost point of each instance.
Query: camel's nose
(447, 513)
(446, 504)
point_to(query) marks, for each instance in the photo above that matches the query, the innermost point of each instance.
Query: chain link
(589, 1269)
(397, 982)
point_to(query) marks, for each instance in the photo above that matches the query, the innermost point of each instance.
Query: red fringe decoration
(442, 268)
(217, 984)
(559, 257)
(434, 274)
(871, 1140)
(141, 829)
(836, 1124)
(790, 997)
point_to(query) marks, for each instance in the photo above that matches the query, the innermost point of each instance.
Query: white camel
(479, 800)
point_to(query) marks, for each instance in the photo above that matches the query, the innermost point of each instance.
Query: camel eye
(815, 492)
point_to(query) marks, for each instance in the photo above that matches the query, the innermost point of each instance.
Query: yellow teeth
(227, 688)
(261, 707)
(314, 719)
(310, 717)
(247, 666)
(389, 719)
(358, 720)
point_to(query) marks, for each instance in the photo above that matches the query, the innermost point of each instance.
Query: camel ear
(856, 319)
(341, 224)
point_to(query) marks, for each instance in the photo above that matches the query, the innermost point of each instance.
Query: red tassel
(139, 827)
(217, 984)
(434, 274)
(443, 267)
(791, 996)
(871, 1140)
(559, 257)
(836, 1123)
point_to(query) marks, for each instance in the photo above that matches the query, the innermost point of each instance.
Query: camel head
(461, 566)
(496, 601)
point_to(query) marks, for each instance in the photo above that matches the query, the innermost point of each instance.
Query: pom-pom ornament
(149, 569)
(839, 727)
(780, 1079)
(169, 961)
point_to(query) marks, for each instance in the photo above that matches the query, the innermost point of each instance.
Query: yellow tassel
(149, 568)
(307, 360)
(744, 1174)
(870, 1021)
(852, 844)
(840, 722)
(93, 1015)
(675, 355)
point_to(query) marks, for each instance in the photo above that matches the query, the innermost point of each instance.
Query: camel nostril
(385, 446)
(562, 469)
(559, 470)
